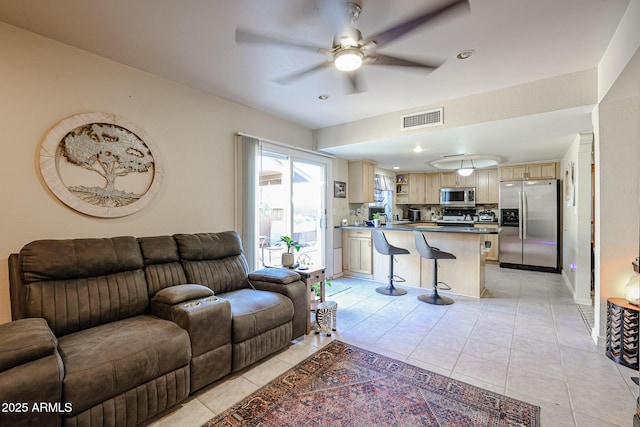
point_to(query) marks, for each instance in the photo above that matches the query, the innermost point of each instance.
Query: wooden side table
(309, 277)
(622, 332)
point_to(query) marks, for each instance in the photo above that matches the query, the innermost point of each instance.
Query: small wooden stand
(309, 277)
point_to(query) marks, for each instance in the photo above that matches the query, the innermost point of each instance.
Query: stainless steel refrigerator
(529, 224)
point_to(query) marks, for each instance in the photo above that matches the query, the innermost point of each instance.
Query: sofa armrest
(205, 317)
(31, 373)
(274, 275)
(207, 320)
(177, 294)
(163, 300)
(25, 340)
(288, 283)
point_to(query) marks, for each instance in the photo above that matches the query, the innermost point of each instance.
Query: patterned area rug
(343, 385)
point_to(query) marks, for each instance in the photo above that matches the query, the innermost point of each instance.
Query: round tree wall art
(100, 164)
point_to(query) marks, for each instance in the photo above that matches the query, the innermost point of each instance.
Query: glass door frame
(303, 156)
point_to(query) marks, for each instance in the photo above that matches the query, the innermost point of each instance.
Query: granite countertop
(408, 226)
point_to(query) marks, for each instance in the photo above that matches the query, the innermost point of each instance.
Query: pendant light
(466, 171)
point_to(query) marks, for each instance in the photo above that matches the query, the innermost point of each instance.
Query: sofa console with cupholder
(117, 330)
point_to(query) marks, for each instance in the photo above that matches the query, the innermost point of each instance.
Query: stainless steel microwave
(461, 196)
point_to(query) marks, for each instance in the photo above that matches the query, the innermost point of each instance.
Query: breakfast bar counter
(465, 274)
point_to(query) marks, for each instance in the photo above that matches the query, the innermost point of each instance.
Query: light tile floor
(525, 338)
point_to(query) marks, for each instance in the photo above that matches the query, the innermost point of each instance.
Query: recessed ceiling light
(465, 54)
(418, 149)
(396, 168)
(323, 97)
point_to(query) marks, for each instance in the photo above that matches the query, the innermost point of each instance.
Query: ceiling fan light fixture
(348, 59)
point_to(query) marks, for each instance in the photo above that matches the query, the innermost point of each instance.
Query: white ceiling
(192, 42)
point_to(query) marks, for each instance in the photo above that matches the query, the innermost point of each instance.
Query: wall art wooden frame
(109, 147)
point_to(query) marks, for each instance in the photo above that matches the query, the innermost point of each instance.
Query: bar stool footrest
(444, 286)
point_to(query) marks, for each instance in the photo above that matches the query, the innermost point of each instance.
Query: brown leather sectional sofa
(111, 332)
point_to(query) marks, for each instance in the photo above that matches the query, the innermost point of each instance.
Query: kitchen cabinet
(360, 187)
(541, 171)
(454, 179)
(432, 188)
(528, 171)
(402, 190)
(487, 186)
(493, 254)
(357, 252)
(416, 189)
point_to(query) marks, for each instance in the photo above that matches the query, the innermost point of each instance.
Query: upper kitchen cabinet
(542, 171)
(360, 187)
(454, 179)
(416, 188)
(402, 189)
(529, 171)
(487, 186)
(432, 188)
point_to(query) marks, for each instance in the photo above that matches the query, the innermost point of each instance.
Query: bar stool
(383, 247)
(435, 254)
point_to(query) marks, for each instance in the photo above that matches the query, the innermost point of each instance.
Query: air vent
(422, 119)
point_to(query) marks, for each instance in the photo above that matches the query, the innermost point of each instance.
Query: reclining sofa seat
(264, 318)
(120, 364)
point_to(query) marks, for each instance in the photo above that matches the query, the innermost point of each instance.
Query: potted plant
(287, 257)
(376, 219)
(316, 293)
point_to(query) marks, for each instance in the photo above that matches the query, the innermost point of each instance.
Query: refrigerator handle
(520, 215)
(525, 216)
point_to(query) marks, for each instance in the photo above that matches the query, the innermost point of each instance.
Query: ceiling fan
(350, 50)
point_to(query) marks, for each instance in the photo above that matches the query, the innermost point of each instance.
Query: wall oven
(458, 197)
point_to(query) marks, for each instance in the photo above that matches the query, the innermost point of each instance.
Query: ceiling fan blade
(386, 36)
(355, 81)
(379, 59)
(289, 78)
(246, 36)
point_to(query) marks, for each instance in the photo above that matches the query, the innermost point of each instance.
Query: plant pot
(287, 259)
(376, 222)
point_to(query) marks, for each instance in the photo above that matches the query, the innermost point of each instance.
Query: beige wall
(617, 153)
(43, 82)
(576, 220)
(552, 94)
(617, 174)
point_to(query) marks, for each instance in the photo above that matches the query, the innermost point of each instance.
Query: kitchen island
(465, 274)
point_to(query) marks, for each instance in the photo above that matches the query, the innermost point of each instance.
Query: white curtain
(247, 172)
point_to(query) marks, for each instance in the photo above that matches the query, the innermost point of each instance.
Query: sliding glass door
(290, 202)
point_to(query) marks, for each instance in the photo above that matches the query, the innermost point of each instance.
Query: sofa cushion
(72, 305)
(81, 283)
(208, 246)
(255, 312)
(110, 359)
(214, 260)
(162, 263)
(72, 259)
